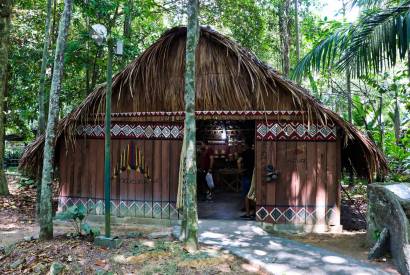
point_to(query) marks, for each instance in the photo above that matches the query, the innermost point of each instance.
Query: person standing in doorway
(246, 163)
(205, 171)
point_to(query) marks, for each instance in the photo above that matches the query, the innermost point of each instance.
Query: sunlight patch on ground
(333, 260)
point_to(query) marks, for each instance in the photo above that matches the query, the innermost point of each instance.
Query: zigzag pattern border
(207, 113)
(292, 214)
(122, 208)
(294, 131)
(134, 130)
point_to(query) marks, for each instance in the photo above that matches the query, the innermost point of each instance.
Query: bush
(76, 214)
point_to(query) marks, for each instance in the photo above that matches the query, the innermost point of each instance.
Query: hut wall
(307, 188)
(144, 174)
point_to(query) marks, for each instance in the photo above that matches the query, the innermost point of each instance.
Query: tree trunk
(349, 115)
(41, 107)
(190, 200)
(128, 20)
(297, 30)
(46, 219)
(380, 120)
(284, 34)
(41, 94)
(397, 117)
(5, 18)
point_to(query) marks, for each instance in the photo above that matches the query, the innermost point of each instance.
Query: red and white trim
(295, 131)
(134, 130)
(207, 113)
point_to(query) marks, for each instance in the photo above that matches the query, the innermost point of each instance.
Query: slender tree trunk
(41, 107)
(297, 30)
(397, 117)
(380, 120)
(5, 19)
(190, 200)
(128, 20)
(46, 219)
(284, 33)
(41, 93)
(349, 115)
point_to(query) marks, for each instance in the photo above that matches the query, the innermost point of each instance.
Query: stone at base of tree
(387, 208)
(56, 268)
(16, 263)
(381, 247)
(159, 235)
(29, 238)
(108, 242)
(39, 268)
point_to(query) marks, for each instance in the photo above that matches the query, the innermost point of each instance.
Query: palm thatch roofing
(228, 77)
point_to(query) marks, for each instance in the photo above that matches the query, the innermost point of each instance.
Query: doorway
(219, 146)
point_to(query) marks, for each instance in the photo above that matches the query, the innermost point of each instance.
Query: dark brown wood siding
(307, 189)
(82, 176)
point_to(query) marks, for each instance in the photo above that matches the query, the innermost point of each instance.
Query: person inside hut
(246, 163)
(205, 172)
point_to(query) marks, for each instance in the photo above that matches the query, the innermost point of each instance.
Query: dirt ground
(139, 251)
(137, 255)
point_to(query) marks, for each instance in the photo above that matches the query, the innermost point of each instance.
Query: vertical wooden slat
(300, 190)
(77, 157)
(258, 173)
(139, 186)
(83, 170)
(310, 187)
(338, 176)
(93, 167)
(165, 175)
(157, 177)
(331, 179)
(70, 173)
(321, 183)
(148, 156)
(122, 188)
(271, 187)
(115, 155)
(63, 171)
(283, 183)
(99, 157)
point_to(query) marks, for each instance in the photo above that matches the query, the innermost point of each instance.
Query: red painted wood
(311, 180)
(300, 189)
(321, 182)
(332, 183)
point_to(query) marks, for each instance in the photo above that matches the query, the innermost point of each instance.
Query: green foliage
(76, 214)
(370, 45)
(376, 234)
(24, 182)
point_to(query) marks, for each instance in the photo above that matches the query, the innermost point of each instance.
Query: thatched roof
(228, 77)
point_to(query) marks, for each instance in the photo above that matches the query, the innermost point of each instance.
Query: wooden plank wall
(308, 182)
(82, 172)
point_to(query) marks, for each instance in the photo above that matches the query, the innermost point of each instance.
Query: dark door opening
(219, 146)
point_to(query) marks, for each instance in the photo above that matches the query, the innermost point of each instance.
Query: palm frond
(323, 56)
(375, 40)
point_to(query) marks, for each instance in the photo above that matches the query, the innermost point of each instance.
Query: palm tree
(374, 43)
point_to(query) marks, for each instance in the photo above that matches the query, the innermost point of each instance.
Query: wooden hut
(306, 144)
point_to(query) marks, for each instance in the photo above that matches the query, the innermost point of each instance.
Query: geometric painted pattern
(208, 113)
(137, 130)
(291, 214)
(294, 131)
(123, 208)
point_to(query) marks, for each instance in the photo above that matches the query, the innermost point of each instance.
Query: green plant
(76, 214)
(376, 234)
(24, 182)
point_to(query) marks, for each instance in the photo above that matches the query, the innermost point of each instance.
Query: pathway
(278, 255)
